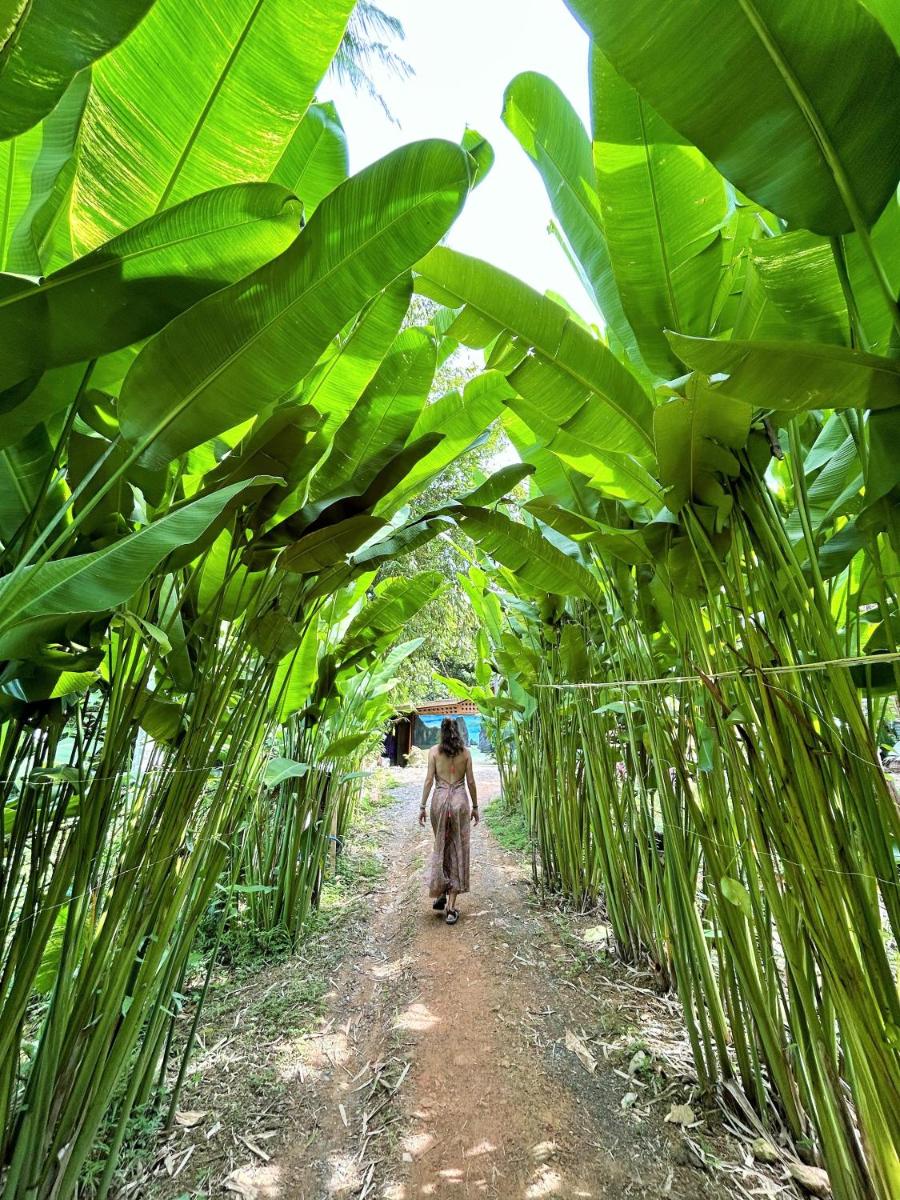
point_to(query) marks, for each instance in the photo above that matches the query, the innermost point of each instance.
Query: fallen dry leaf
(254, 1149)
(812, 1179)
(681, 1114)
(578, 1048)
(254, 1183)
(597, 933)
(241, 1182)
(188, 1120)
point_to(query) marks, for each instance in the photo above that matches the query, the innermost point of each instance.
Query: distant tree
(367, 47)
(447, 624)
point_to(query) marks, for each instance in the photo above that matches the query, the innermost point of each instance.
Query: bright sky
(465, 52)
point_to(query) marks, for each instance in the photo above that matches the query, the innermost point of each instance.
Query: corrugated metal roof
(448, 708)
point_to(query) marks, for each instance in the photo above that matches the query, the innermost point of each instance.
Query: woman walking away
(449, 770)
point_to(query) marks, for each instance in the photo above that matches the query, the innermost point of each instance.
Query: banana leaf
(46, 43)
(136, 283)
(201, 95)
(248, 345)
(798, 104)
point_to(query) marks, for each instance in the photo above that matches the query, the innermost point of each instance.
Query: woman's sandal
(452, 916)
(440, 904)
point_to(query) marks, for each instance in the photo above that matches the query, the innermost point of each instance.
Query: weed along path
(502, 1057)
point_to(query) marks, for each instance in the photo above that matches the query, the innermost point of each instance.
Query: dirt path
(446, 1072)
(499, 1058)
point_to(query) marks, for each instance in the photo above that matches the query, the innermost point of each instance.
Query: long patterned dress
(450, 819)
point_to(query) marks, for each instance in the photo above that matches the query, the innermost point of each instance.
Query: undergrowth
(261, 988)
(508, 825)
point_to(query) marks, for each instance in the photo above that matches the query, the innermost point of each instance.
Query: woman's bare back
(450, 770)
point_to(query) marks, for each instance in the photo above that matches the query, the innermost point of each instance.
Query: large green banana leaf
(350, 501)
(883, 468)
(550, 132)
(39, 167)
(888, 14)
(24, 471)
(801, 282)
(388, 478)
(553, 477)
(348, 365)
(202, 94)
(835, 491)
(799, 273)
(316, 158)
(395, 601)
(271, 447)
(797, 102)
(578, 442)
(663, 208)
(94, 465)
(831, 437)
(461, 419)
(245, 347)
(568, 366)
(330, 545)
(884, 243)
(485, 604)
(97, 582)
(223, 587)
(296, 674)
(562, 519)
(525, 552)
(133, 285)
(395, 545)
(35, 401)
(696, 437)
(497, 485)
(17, 159)
(47, 43)
(382, 420)
(794, 376)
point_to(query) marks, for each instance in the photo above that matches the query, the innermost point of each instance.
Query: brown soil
(495, 1058)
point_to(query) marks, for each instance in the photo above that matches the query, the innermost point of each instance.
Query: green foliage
(211, 422)
(252, 493)
(507, 824)
(634, 614)
(796, 83)
(46, 43)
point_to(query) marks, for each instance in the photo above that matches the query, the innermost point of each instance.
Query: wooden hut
(420, 726)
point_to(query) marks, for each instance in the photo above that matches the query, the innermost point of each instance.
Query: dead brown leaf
(681, 1114)
(580, 1050)
(189, 1120)
(812, 1179)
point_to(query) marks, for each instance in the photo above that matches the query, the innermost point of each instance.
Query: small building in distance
(421, 727)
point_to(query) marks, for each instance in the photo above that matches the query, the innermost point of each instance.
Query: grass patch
(377, 792)
(509, 827)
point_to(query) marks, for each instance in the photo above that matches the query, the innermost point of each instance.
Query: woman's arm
(426, 790)
(470, 781)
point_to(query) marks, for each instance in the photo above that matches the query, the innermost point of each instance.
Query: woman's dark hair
(451, 743)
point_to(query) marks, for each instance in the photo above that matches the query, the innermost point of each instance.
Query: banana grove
(216, 411)
(692, 615)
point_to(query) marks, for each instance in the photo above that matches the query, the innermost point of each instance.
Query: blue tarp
(472, 723)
